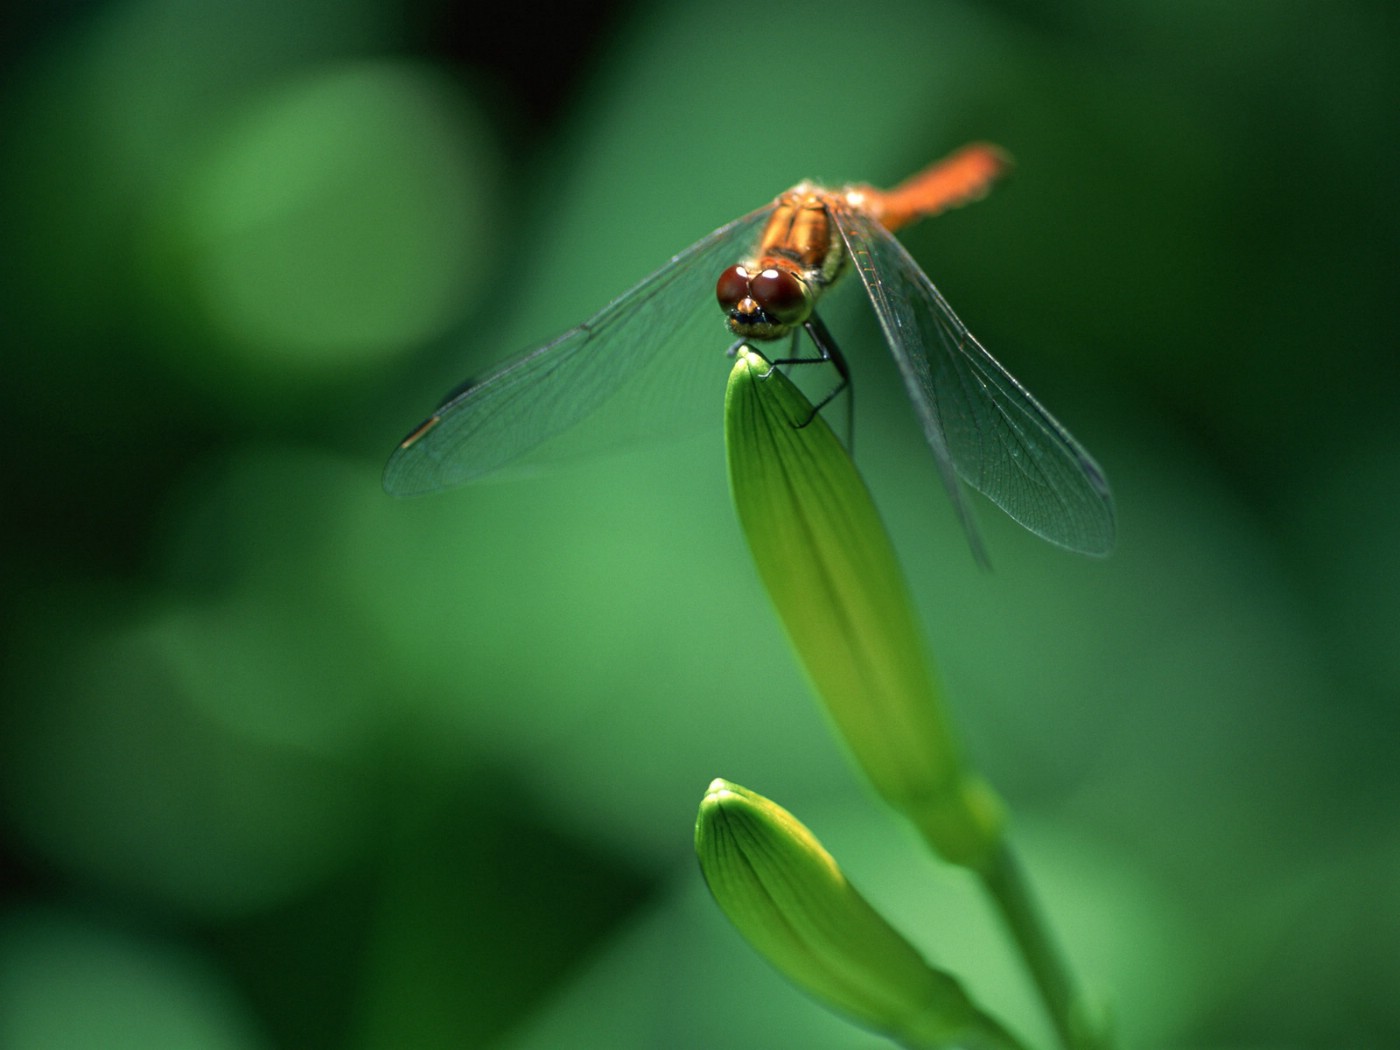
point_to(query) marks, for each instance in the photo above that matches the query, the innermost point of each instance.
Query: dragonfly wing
(982, 425)
(643, 356)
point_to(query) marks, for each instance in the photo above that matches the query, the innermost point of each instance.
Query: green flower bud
(789, 899)
(829, 566)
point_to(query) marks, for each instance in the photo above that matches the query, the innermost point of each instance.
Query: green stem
(1004, 881)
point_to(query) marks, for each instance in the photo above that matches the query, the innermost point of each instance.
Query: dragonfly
(774, 264)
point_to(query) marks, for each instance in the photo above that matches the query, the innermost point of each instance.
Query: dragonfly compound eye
(783, 295)
(733, 287)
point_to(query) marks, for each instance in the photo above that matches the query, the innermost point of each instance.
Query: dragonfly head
(764, 303)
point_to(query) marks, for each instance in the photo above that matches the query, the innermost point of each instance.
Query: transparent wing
(644, 357)
(982, 425)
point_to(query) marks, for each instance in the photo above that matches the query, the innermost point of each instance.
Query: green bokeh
(309, 766)
(337, 221)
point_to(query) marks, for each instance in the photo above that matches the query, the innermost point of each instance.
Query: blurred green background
(287, 763)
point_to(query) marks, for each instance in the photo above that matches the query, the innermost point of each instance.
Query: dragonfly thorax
(797, 256)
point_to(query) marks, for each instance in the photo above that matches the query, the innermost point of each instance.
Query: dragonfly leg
(827, 353)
